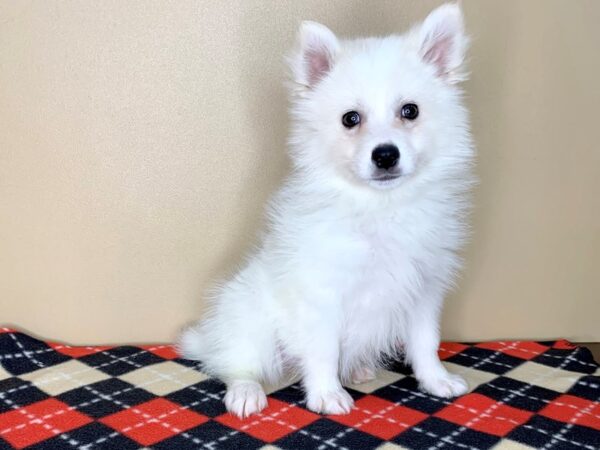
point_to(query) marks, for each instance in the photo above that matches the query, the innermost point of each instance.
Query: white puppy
(363, 237)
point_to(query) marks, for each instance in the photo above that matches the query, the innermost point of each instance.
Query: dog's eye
(410, 111)
(351, 119)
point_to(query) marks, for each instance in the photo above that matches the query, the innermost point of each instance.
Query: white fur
(353, 271)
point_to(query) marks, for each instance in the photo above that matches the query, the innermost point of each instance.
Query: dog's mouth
(385, 180)
(386, 177)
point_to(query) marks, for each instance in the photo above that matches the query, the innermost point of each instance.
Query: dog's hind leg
(244, 397)
(237, 343)
(248, 359)
(242, 356)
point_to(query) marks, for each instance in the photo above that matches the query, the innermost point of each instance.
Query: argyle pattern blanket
(523, 395)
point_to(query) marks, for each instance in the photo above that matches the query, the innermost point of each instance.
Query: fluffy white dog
(364, 234)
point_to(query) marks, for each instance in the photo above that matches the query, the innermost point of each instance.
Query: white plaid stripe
(67, 372)
(100, 396)
(7, 356)
(380, 414)
(332, 441)
(592, 385)
(59, 377)
(357, 426)
(483, 413)
(553, 402)
(35, 419)
(25, 352)
(167, 383)
(87, 369)
(510, 396)
(329, 443)
(147, 418)
(545, 352)
(507, 345)
(65, 436)
(557, 437)
(456, 405)
(207, 396)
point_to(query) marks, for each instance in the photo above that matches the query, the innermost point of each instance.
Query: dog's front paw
(330, 402)
(445, 385)
(244, 398)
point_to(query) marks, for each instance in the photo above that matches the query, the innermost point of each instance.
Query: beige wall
(139, 141)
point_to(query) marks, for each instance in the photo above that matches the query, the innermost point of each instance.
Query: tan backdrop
(139, 141)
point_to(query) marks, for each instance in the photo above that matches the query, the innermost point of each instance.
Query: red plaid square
(448, 349)
(570, 409)
(380, 418)
(164, 351)
(153, 421)
(278, 419)
(563, 344)
(481, 413)
(77, 352)
(39, 421)
(523, 350)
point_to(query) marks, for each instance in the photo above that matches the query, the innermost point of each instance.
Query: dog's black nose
(386, 156)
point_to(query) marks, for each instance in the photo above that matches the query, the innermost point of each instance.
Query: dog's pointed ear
(314, 55)
(443, 42)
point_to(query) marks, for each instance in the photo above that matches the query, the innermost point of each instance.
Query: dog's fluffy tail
(190, 343)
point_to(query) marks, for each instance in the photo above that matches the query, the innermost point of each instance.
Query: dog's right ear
(314, 55)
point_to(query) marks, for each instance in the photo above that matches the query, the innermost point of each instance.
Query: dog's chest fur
(362, 265)
(389, 261)
(393, 251)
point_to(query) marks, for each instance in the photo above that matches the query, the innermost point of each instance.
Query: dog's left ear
(314, 55)
(443, 42)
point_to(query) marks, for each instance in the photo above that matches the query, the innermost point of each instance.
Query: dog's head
(376, 111)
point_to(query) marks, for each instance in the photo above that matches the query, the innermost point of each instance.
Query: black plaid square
(587, 387)
(293, 394)
(15, 392)
(210, 435)
(540, 431)
(22, 354)
(121, 360)
(189, 363)
(205, 397)
(486, 360)
(438, 433)
(325, 433)
(399, 367)
(105, 397)
(94, 435)
(578, 360)
(406, 392)
(517, 393)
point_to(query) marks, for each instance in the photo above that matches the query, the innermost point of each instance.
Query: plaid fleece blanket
(524, 395)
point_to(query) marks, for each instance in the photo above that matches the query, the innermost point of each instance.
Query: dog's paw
(362, 375)
(330, 402)
(244, 398)
(445, 385)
